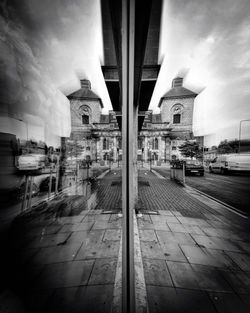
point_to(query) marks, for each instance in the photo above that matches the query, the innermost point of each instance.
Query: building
(97, 136)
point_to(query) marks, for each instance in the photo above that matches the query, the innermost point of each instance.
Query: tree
(191, 149)
(74, 149)
(224, 147)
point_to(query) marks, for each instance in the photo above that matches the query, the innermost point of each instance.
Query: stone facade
(99, 137)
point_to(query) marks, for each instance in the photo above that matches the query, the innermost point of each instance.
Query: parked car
(193, 167)
(44, 186)
(230, 163)
(19, 192)
(28, 162)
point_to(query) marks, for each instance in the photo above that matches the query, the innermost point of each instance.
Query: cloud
(211, 39)
(43, 44)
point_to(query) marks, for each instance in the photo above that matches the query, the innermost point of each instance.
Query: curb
(227, 206)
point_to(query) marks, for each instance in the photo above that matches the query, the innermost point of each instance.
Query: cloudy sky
(46, 46)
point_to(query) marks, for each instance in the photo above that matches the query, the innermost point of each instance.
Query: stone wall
(186, 113)
(95, 111)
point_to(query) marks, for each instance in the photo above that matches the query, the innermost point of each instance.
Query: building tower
(177, 110)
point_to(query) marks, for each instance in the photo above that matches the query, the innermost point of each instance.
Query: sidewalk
(195, 254)
(196, 258)
(64, 264)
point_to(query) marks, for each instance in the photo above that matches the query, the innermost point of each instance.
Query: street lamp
(118, 156)
(142, 152)
(150, 163)
(240, 131)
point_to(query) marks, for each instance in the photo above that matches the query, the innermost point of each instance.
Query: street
(232, 189)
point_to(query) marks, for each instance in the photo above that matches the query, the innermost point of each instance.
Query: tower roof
(177, 91)
(85, 92)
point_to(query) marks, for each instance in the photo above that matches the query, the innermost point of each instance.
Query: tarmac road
(232, 189)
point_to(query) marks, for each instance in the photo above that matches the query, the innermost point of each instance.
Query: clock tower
(177, 109)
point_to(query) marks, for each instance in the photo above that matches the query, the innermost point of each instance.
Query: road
(233, 189)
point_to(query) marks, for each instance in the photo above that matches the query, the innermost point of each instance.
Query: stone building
(98, 137)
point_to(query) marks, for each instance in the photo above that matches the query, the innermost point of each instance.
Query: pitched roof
(177, 91)
(85, 93)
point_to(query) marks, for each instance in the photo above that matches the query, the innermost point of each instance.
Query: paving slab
(112, 234)
(66, 274)
(183, 228)
(175, 300)
(49, 240)
(148, 235)
(56, 254)
(165, 237)
(241, 259)
(103, 272)
(207, 254)
(216, 243)
(156, 273)
(210, 279)
(228, 303)
(183, 275)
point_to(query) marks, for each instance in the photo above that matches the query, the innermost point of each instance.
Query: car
(29, 162)
(19, 192)
(193, 167)
(44, 186)
(230, 163)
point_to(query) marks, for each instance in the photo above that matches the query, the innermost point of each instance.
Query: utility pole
(240, 131)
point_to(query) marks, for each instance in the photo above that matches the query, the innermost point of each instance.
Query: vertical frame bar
(128, 282)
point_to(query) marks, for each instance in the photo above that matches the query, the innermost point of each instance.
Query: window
(105, 144)
(140, 141)
(119, 144)
(177, 118)
(155, 145)
(85, 119)
(173, 148)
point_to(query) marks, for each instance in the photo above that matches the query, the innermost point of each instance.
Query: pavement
(195, 254)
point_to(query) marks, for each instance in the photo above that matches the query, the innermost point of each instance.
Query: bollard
(25, 193)
(50, 182)
(30, 192)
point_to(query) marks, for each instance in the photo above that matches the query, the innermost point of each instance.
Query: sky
(47, 46)
(207, 42)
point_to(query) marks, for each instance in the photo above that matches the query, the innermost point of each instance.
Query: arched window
(85, 119)
(177, 110)
(176, 118)
(155, 145)
(85, 113)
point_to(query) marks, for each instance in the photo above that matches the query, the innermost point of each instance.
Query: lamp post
(240, 131)
(142, 153)
(118, 156)
(150, 161)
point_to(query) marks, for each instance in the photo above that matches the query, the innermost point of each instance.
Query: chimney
(85, 84)
(177, 82)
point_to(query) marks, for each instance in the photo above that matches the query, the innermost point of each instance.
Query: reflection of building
(99, 137)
